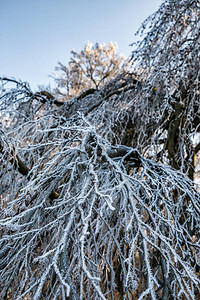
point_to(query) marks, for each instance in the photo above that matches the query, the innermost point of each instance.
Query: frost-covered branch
(123, 162)
(103, 207)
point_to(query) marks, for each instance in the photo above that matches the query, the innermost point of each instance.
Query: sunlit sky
(36, 34)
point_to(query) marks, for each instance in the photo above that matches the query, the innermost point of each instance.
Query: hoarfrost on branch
(98, 199)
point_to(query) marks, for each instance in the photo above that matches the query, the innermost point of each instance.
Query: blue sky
(36, 34)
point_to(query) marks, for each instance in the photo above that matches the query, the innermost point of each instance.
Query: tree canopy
(94, 66)
(98, 194)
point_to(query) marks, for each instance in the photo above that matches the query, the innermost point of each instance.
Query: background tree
(91, 68)
(95, 195)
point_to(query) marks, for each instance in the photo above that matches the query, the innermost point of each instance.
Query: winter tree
(98, 194)
(94, 66)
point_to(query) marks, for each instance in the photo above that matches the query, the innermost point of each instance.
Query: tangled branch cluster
(98, 199)
(83, 218)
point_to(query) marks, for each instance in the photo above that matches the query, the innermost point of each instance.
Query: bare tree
(90, 69)
(97, 194)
